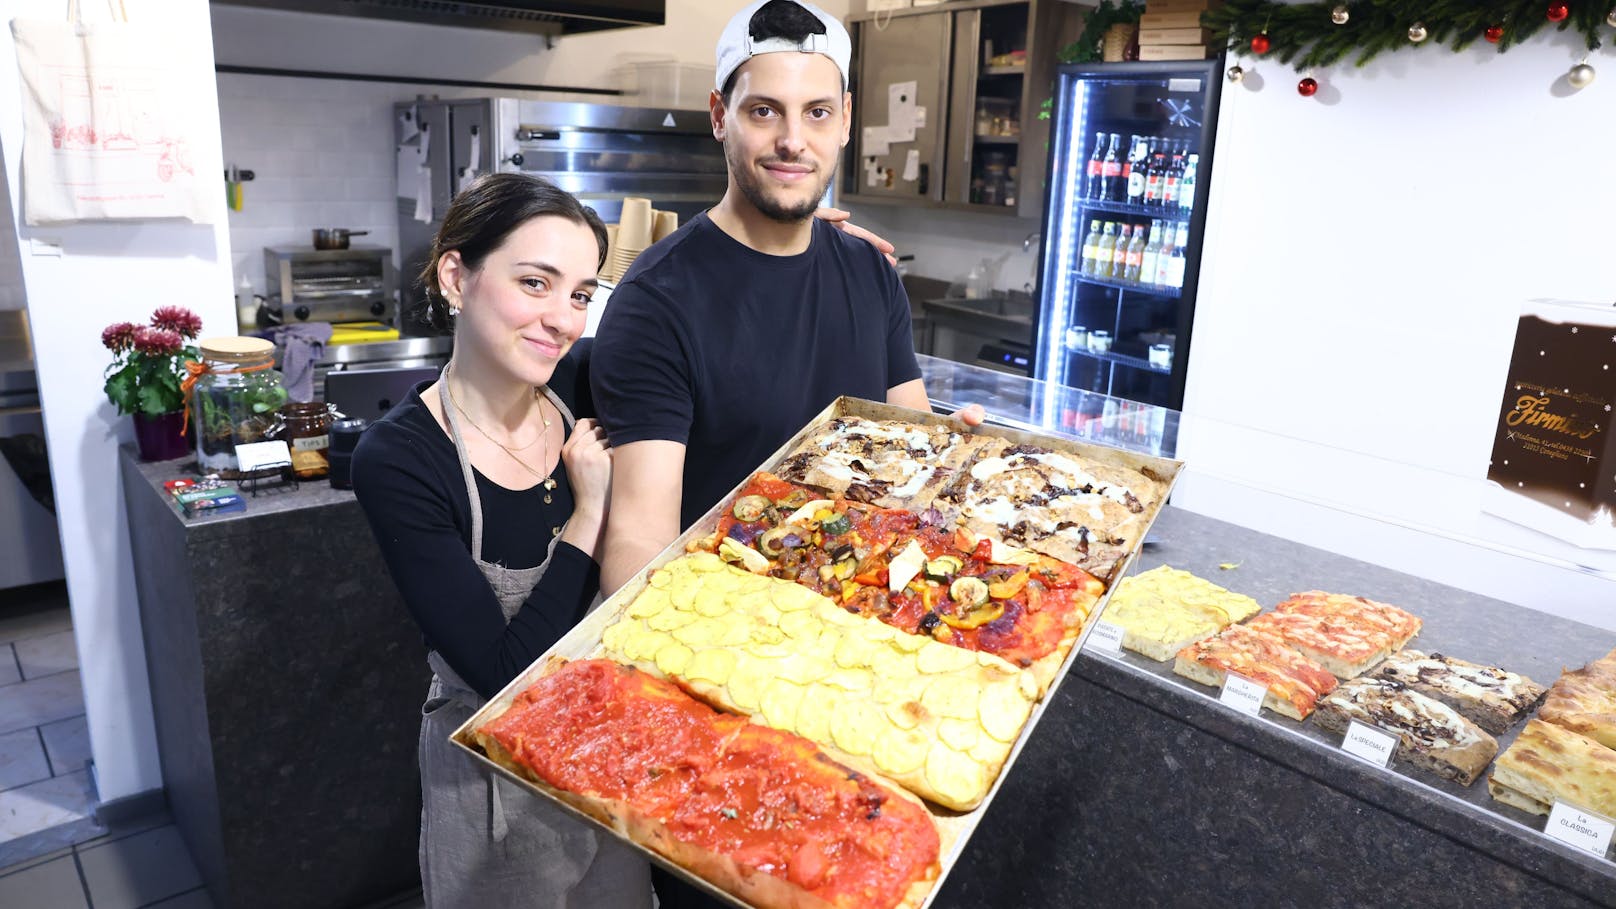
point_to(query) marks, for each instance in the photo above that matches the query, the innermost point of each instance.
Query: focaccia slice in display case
(1432, 736)
(1164, 610)
(1548, 763)
(1491, 697)
(1584, 701)
(1294, 682)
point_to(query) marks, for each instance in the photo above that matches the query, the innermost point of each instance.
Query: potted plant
(144, 380)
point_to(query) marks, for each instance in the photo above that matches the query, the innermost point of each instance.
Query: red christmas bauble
(1558, 12)
(1494, 33)
(1307, 87)
(1259, 43)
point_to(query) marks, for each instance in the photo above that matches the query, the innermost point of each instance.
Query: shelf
(1127, 208)
(997, 140)
(1151, 289)
(1123, 359)
(1004, 70)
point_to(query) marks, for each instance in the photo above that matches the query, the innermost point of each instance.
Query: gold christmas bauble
(1235, 74)
(1581, 76)
(1339, 15)
(1417, 32)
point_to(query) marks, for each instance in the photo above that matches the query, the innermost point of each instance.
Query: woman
(488, 499)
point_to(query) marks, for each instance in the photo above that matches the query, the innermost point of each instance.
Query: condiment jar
(306, 427)
(234, 400)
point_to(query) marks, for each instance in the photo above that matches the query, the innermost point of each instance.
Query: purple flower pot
(162, 438)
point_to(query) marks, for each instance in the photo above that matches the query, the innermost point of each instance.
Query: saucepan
(334, 237)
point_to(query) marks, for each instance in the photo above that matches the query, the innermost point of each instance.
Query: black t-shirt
(408, 481)
(730, 351)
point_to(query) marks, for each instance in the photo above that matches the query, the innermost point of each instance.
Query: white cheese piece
(805, 514)
(905, 565)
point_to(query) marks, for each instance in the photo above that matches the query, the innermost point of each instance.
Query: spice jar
(234, 400)
(306, 427)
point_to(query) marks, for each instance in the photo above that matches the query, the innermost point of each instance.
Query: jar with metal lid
(306, 427)
(234, 400)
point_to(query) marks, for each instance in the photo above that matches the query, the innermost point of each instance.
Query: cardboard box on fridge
(1185, 19)
(1174, 36)
(1154, 52)
(1180, 6)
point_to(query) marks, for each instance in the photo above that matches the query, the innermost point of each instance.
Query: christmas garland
(1320, 34)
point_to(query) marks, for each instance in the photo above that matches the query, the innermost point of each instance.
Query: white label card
(1242, 694)
(261, 455)
(1575, 827)
(1106, 638)
(1369, 744)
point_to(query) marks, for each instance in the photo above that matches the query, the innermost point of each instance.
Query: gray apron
(486, 842)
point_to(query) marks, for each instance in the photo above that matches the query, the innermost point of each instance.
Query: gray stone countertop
(271, 498)
(1456, 623)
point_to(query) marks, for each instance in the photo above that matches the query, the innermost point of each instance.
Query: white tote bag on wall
(111, 115)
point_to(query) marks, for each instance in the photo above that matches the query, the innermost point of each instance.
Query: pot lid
(236, 349)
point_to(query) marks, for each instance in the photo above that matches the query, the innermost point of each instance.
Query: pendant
(546, 498)
(549, 483)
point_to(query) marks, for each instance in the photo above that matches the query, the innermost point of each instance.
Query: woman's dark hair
(484, 214)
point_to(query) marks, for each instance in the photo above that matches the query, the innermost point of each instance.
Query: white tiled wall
(322, 155)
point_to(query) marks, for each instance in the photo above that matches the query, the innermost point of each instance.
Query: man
(725, 338)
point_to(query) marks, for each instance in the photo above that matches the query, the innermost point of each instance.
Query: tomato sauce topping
(767, 799)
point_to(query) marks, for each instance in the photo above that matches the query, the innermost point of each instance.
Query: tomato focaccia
(1343, 646)
(911, 572)
(1431, 735)
(1584, 701)
(890, 463)
(761, 813)
(1295, 683)
(1071, 508)
(1493, 698)
(938, 720)
(1548, 763)
(1396, 625)
(1164, 610)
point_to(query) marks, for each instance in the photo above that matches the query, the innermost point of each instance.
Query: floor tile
(194, 899)
(67, 743)
(22, 760)
(45, 804)
(47, 654)
(40, 701)
(138, 870)
(52, 885)
(29, 849)
(8, 666)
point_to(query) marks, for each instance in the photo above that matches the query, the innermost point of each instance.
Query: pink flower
(177, 319)
(157, 342)
(119, 337)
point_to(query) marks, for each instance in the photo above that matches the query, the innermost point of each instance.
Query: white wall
(1367, 255)
(110, 272)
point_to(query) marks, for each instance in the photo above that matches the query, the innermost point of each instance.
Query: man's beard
(751, 187)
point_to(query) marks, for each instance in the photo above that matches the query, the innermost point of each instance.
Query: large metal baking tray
(583, 641)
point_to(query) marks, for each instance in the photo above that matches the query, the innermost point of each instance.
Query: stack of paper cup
(634, 232)
(666, 223)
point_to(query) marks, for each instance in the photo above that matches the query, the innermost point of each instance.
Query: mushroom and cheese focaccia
(1431, 735)
(889, 463)
(1493, 698)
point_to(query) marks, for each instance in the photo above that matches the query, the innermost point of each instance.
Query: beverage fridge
(1130, 161)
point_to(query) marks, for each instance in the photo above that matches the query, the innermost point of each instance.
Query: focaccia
(1164, 610)
(1493, 698)
(1584, 701)
(1071, 508)
(1294, 682)
(889, 463)
(1344, 646)
(1548, 763)
(1397, 625)
(761, 813)
(1433, 736)
(933, 718)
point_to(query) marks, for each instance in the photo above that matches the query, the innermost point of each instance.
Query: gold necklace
(548, 481)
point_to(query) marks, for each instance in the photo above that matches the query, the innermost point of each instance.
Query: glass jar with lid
(306, 427)
(235, 400)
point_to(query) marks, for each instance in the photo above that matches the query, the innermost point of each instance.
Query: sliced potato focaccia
(936, 719)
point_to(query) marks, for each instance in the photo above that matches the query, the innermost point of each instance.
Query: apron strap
(451, 412)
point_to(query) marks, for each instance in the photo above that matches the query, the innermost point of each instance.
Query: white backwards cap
(736, 45)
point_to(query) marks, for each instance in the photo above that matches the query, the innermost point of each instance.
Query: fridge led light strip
(1067, 243)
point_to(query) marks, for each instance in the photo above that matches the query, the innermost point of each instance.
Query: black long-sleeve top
(409, 483)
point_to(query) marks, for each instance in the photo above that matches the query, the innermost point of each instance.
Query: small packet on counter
(206, 496)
